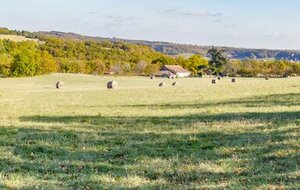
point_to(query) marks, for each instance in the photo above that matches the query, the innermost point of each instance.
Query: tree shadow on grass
(274, 117)
(120, 147)
(256, 156)
(7, 135)
(291, 99)
(7, 143)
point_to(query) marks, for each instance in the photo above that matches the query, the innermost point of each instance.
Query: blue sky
(239, 23)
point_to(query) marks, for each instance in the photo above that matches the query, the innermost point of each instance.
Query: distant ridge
(178, 49)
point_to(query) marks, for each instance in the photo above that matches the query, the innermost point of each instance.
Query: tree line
(53, 54)
(261, 68)
(219, 64)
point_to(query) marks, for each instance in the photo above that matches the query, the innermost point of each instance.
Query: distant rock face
(112, 85)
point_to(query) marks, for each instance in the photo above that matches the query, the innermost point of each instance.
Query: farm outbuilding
(174, 70)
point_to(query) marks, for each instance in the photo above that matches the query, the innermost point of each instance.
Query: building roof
(176, 68)
(165, 72)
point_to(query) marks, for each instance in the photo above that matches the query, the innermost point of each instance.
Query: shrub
(72, 66)
(152, 69)
(23, 65)
(96, 67)
(46, 64)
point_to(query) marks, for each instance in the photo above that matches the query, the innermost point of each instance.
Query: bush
(46, 64)
(23, 65)
(96, 67)
(152, 69)
(72, 66)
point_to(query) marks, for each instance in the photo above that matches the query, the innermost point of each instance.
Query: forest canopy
(52, 54)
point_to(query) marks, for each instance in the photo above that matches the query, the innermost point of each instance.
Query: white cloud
(182, 12)
(119, 18)
(279, 35)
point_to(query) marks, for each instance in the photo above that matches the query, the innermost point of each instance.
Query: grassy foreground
(192, 136)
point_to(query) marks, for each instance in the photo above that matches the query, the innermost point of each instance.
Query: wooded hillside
(50, 54)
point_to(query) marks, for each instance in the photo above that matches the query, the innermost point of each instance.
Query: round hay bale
(233, 80)
(175, 84)
(59, 85)
(214, 81)
(219, 78)
(112, 85)
(162, 84)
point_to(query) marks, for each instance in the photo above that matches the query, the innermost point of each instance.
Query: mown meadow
(196, 135)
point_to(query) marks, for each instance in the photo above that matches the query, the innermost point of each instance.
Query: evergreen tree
(217, 60)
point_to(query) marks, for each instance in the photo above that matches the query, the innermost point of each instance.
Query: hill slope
(16, 38)
(175, 49)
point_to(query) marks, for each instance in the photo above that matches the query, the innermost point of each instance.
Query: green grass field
(193, 136)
